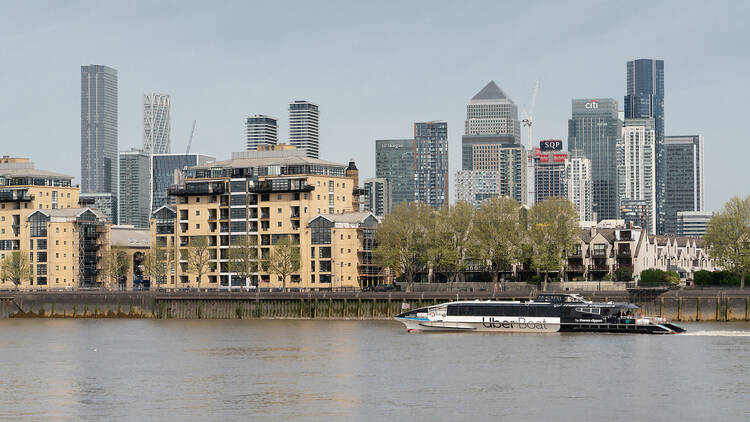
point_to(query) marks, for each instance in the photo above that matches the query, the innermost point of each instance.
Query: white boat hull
(488, 324)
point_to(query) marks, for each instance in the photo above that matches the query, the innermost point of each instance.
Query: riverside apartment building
(267, 196)
(39, 217)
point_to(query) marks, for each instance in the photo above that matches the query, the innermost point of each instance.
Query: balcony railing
(197, 189)
(14, 195)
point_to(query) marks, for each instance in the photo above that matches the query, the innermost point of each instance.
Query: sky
(374, 68)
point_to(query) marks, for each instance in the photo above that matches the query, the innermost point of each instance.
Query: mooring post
(679, 308)
(698, 309)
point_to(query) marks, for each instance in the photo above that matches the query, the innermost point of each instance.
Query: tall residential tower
(683, 158)
(431, 163)
(98, 129)
(304, 127)
(644, 98)
(260, 130)
(156, 124)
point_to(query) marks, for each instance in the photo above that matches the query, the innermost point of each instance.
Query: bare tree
(198, 257)
(156, 263)
(16, 268)
(284, 260)
(114, 266)
(243, 257)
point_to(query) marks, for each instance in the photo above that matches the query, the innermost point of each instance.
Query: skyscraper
(579, 186)
(157, 125)
(394, 161)
(260, 130)
(492, 142)
(683, 158)
(638, 166)
(431, 162)
(99, 129)
(135, 192)
(593, 133)
(303, 127)
(644, 98)
(378, 196)
(550, 173)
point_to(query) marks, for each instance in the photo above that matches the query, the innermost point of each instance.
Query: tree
(243, 257)
(16, 268)
(553, 230)
(114, 266)
(623, 274)
(157, 262)
(199, 257)
(449, 239)
(284, 260)
(652, 276)
(672, 277)
(728, 237)
(497, 235)
(402, 240)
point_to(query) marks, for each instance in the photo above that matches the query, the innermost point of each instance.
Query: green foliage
(552, 230)
(652, 276)
(607, 277)
(403, 239)
(672, 277)
(623, 274)
(497, 235)
(716, 278)
(728, 237)
(448, 239)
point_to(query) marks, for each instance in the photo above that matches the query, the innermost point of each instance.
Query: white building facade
(304, 122)
(157, 127)
(637, 163)
(578, 175)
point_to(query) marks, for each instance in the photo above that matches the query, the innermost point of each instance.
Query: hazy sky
(374, 68)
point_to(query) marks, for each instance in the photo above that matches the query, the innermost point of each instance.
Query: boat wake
(717, 333)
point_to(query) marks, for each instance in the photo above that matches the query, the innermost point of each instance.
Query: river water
(119, 370)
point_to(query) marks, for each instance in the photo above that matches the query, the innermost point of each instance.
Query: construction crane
(190, 141)
(528, 121)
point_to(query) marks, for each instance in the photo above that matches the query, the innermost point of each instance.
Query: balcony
(623, 252)
(267, 187)
(15, 195)
(205, 188)
(598, 267)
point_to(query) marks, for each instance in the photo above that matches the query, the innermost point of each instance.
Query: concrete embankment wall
(679, 306)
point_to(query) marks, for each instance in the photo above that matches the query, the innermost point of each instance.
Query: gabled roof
(68, 213)
(346, 218)
(168, 207)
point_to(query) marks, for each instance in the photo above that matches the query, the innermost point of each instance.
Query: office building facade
(593, 133)
(104, 203)
(693, 223)
(683, 163)
(550, 174)
(378, 196)
(578, 176)
(431, 163)
(260, 130)
(98, 129)
(167, 170)
(304, 123)
(636, 213)
(475, 186)
(157, 125)
(395, 162)
(644, 98)
(135, 188)
(638, 162)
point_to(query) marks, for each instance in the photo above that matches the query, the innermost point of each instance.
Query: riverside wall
(682, 305)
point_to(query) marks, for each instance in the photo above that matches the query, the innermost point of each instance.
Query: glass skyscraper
(644, 98)
(134, 188)
(593, 133)
(683, 178)
(304, 119)
(99, 130)
(394, 161)
(163, 168)
(156, 124)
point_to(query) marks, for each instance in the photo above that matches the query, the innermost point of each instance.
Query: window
(278, 210)
(41, 269)
(325, 252)
(312, 252)
(197, 226)
(348, 236)
(312, 266)
(278, 224)
(197, 212)
(41, 256)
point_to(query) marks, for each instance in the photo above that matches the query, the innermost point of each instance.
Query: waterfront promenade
(679, 305)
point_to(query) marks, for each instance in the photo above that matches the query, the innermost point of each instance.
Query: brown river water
(133, 370)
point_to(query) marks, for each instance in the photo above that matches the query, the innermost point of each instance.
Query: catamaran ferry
(548, 313)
